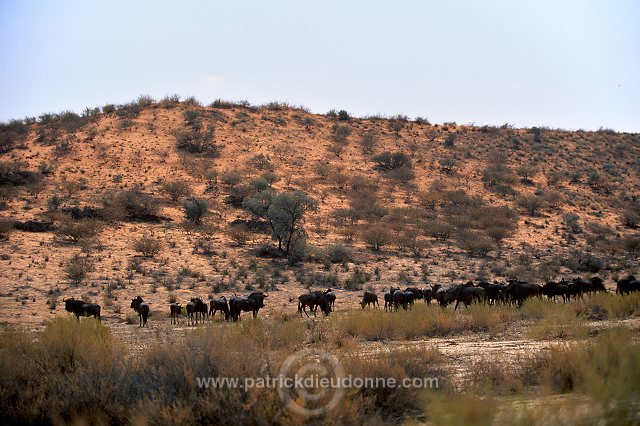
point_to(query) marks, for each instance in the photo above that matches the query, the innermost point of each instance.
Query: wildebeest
(430, 293)
(80, 308)
(492, 292)
(517, 291)
(196, 308)
(251, 303)
(369, 298)
(331, 298)
(444, 296)
(402, 298)
(417, 293)
(219, 304)
(314, 300)
(578, 287)
(627, 285)
(467, 294)
(553, 289)
(142, 308)
(597, 285)
(388, 298)
(176, 311)
(191, 310)
(201, 309)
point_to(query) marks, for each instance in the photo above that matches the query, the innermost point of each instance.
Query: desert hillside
(170, 199)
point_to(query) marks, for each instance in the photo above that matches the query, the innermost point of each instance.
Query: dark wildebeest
(402, 298)
(444, 296)
(331, 298)
(176, 311)
(627, 285)
(191, 310)
(314, 300)
(201, 309)
(142, 308)
(597, 285)
(467, 294)
(417, 293)
(517, 291)
(80, 308)
(196, 308)
(388, 298)
(579, 287)
(369, 298)
(219, 304)
(553, 289)
(492, 292)
(251, 303)
(430, 293)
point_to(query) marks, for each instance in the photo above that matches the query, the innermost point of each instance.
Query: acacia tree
(284, 213)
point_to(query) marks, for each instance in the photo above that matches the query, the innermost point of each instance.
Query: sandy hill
(399, 202)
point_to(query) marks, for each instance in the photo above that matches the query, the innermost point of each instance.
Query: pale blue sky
(570, 64)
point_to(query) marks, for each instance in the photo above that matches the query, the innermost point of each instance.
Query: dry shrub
(239, 234)
(76, 231)
(131, 204)
(6, 227)
(553, 321)
(176, 189)
(77, 268)
(476, 244)
(376, 236)
(421, 321)
(460, 409)
(147, 246)
(614, 306)
(399, 364)
(68, 372)
(600, 377)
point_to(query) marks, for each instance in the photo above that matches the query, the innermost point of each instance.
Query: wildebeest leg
(456, 307)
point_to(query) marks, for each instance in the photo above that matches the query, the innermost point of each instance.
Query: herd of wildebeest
(512, 292)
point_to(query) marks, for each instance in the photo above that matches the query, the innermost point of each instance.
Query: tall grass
(612, 306)
(596, 382)
(421, 321)
(78, 372)
(553, 320)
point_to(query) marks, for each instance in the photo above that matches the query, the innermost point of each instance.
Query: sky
(567, 64)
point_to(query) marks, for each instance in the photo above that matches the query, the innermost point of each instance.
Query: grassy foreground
(79, 372)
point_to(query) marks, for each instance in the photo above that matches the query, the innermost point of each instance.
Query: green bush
(197, 142)
(195, 209)
(532, 204)
(387, 161)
